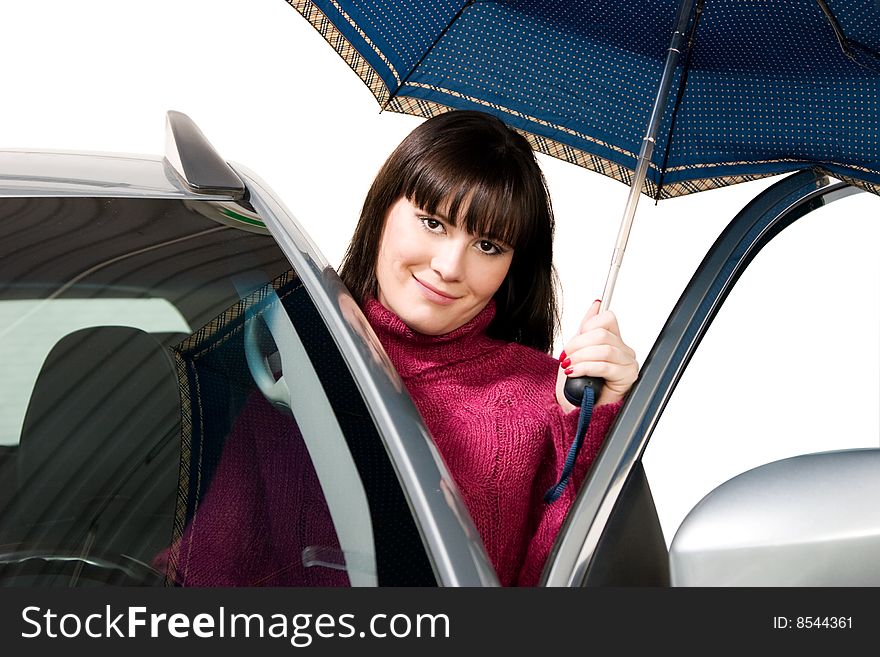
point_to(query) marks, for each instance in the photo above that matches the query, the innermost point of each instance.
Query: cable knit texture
(491, 408)
(264, 506)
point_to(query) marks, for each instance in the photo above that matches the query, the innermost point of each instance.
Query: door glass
(790, 365)
(164, 416)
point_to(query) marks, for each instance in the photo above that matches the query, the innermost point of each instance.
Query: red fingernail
(598, 301)
(565, 363)
(562, 357)
(568, 371)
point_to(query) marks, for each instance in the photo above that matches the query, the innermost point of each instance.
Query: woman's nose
(448, 261)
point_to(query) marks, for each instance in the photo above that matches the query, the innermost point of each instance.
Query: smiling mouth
(435, 291)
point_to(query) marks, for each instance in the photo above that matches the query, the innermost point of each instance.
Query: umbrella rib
(698, 12)
(405, 79)
(844, 41)
(835, 26)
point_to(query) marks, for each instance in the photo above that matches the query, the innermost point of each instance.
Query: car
(167, 325)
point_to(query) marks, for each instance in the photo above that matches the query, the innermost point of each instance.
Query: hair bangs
(486, 206)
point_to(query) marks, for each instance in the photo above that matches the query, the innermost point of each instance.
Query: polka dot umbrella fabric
(766, 87)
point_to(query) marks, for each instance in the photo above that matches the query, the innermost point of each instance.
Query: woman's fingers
(599, 351)
(620, 354)
(592, 311)
(619, 361)
(613, 372)
(594, 319)
(594, 337)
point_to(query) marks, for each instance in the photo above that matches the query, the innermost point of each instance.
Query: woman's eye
(432, 224)
(489, 248)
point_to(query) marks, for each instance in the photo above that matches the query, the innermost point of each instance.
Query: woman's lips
(433, 294)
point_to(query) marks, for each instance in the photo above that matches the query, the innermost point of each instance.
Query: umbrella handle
(575, 386)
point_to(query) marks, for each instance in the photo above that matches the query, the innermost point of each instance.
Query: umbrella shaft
(672, 56)
(629, 214)
(610, 281)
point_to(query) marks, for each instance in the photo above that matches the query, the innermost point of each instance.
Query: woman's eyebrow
(436, 215)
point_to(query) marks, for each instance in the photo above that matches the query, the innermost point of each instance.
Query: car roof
(31, 172)
(191, 168)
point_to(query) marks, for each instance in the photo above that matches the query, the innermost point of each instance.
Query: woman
(451, 262)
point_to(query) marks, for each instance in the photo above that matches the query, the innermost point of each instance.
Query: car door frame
(596, 507)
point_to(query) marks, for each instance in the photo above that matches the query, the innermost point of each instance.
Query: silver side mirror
(811, 520)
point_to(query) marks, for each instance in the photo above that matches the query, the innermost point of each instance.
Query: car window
(173, 410)
(789, 366)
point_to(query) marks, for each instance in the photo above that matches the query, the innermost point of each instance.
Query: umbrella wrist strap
(583, 424)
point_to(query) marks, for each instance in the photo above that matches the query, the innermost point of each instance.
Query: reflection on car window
(789, 366)
(32, 327)
(254, 509)
(136, 446)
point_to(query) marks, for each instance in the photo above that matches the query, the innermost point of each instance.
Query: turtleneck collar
(413, 353)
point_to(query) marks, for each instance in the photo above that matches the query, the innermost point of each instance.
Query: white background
(800, 340)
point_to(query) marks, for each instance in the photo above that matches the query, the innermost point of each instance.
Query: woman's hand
(598, 351)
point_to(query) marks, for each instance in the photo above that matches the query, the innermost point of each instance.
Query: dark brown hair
(482, 175)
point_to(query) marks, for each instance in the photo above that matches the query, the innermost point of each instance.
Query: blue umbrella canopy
(766, 86)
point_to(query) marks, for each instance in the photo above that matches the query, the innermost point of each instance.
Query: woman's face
(434, 276)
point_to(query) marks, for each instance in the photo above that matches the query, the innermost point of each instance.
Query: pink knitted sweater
(492, 411)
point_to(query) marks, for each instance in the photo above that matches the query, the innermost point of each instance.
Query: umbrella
(772, 86)
(670, 97)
